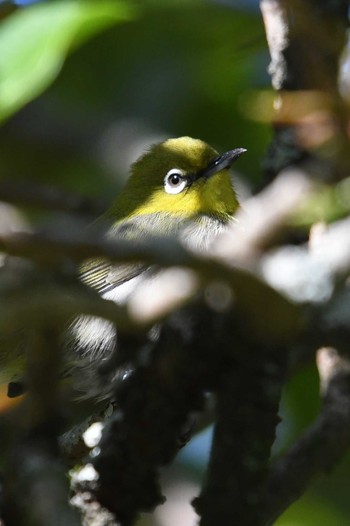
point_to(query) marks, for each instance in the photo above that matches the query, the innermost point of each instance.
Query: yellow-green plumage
(144, 192)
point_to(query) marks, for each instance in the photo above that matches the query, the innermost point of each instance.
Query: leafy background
(85, 86)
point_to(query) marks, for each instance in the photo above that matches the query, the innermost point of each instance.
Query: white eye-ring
(174, 181)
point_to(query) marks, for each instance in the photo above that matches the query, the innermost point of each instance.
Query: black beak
(221, 162)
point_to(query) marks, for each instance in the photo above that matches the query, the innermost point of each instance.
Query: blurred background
(85, 87)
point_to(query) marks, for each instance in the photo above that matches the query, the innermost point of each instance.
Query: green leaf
(313, 509)
(34, 42)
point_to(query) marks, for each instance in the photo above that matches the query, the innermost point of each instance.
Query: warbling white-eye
(180, 185)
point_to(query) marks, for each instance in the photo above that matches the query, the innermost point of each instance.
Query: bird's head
(183, 177)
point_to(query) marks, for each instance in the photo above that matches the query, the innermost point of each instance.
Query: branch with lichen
(261, 345)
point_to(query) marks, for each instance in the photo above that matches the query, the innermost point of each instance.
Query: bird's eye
(174, 181)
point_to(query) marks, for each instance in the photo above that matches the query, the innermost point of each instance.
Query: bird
(181, 188)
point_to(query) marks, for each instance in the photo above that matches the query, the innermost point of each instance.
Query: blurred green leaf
(311, 510)
(327, 203)
(35, 41)
(175, 70)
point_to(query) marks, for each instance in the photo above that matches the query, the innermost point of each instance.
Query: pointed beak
(221, 163)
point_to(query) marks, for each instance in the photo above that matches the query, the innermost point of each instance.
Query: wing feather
(104, 276)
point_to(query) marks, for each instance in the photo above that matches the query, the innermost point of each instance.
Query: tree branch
(320, 448)
(306, 39)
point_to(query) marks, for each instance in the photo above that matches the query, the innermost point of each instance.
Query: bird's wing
(104, 276)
